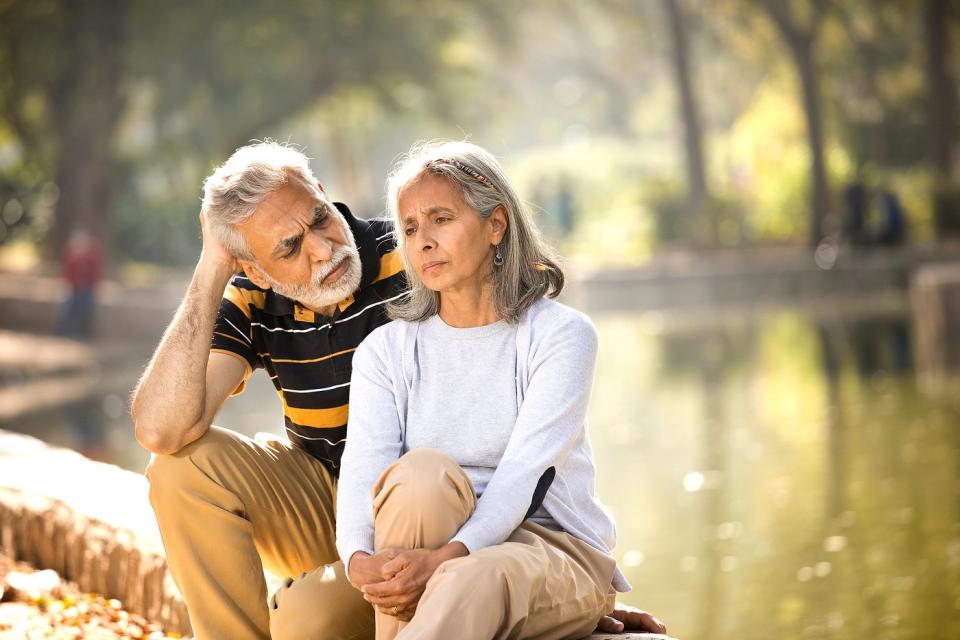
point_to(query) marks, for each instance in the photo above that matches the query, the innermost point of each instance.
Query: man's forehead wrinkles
(319, 210)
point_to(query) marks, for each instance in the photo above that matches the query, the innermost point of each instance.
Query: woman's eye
(441, 219)
(408, 231)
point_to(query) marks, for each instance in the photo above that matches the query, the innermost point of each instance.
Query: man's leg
(296, 608)
(540, 584)
(227, 506)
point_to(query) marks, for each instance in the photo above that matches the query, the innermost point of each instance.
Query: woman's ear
(253, 272)
(498, 224)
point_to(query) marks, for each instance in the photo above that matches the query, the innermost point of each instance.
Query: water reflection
(780, 476)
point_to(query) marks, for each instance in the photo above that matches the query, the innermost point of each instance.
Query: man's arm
(185, 384)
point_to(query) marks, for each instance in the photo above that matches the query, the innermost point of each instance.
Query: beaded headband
(479, 177)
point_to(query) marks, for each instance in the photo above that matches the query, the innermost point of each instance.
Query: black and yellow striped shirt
(309, 356)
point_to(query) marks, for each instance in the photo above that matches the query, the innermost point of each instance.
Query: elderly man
(289, 282)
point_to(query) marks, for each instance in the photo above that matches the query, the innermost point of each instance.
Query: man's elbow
(155, 440)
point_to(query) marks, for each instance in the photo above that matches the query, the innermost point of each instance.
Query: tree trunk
(943, 89)
(810, 87)
(800, 40)
(87, 102)
(693, 133)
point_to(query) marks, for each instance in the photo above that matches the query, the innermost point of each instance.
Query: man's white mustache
(341, 254)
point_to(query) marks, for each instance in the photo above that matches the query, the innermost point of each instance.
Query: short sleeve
(232, 331)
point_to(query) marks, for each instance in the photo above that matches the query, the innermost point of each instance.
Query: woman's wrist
(451, 550)
(353, 564)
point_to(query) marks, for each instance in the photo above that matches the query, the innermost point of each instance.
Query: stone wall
(90, 522)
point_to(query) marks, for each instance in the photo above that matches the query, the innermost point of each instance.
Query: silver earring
(497, 257)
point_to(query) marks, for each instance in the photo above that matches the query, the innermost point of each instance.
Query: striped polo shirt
(308, 356)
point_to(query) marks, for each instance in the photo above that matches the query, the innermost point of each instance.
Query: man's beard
(317, 294)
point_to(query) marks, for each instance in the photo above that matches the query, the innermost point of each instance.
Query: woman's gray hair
(234, 190)
(529, 270)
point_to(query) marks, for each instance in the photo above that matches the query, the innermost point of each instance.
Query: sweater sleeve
(549, 424)
(374, 441)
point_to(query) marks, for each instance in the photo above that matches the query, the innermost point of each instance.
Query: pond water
(775, 474)
(780, 477)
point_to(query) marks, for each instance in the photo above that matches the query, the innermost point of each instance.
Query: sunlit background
(758, 205)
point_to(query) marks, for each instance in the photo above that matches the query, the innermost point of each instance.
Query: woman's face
(448, 244)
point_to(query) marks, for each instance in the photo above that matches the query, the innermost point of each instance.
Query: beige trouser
(227, 506)
(538, 584)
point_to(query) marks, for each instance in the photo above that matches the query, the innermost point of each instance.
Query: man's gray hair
(237, 187)
(529, 271)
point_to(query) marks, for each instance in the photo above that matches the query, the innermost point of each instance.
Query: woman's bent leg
(540, 584)
(420, 501)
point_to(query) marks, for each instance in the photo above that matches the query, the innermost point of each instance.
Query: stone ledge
(88, 521)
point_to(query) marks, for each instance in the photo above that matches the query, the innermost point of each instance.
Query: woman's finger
(400, 599)
(385, 588)
(394, 565)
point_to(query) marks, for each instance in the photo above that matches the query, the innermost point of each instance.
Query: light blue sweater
(556, 352)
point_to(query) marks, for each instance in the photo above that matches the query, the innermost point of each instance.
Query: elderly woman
(466, 504)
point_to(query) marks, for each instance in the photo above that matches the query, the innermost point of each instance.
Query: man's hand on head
(213, 250)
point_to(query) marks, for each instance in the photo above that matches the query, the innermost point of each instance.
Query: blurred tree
(873, 81)
(190, 80)
(799, 30)
(942, 86)
(62, 98)
(698, 192)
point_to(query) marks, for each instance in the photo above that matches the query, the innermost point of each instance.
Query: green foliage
(585, 88)
(717, 223)
(672, 219)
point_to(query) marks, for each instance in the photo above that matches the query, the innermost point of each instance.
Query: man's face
(303, 247)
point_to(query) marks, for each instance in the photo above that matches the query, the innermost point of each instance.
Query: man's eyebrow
(290, 242)
(286, 244)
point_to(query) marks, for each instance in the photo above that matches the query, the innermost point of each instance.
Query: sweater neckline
(437, 326)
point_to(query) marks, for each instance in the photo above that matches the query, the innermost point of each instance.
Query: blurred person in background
(857, 201)
(81, 269)
(893, 221)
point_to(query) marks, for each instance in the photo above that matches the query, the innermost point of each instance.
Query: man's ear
(253, 272)
(498, 224)
(322, 190)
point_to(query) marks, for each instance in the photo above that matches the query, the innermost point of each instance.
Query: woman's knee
(421, 500)
(424, 476)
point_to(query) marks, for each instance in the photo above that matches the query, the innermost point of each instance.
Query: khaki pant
(538, 584)
(229, 506)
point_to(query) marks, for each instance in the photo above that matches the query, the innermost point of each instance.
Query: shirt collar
(278, 305)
